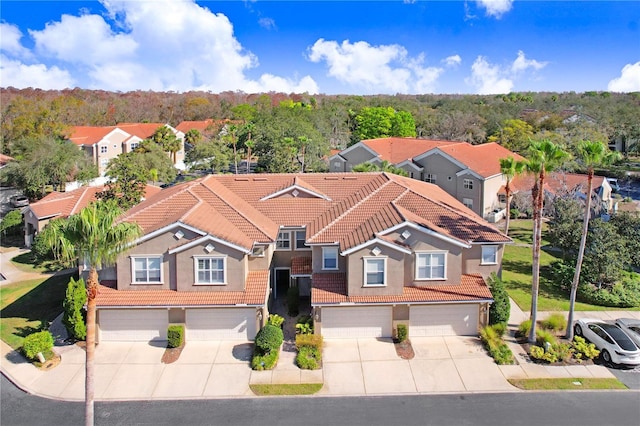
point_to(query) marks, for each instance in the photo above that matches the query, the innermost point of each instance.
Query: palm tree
(192, 137)
(509, 168)
(249, 128)
(96, 236)
(544, 157)
(592, 154)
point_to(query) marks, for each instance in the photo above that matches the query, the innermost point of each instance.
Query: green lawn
(286, 389)
(516, 274)
(520, 231)
(26, 305)
(567, 383)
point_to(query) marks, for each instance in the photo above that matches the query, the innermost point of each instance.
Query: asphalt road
(586, 408)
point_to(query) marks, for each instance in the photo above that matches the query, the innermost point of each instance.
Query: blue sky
(330, 47)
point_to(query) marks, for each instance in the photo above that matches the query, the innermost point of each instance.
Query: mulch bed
(404, 349)
(49, 364)
(171, 354)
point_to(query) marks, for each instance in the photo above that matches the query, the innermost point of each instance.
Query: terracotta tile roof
(255, 294)
(357, 207)
(141, 130)
(484, 159)
(202, 126)
(88, 135)
(556, 182)
(301, 266)
(331, 288)
(397, 150)
(4, 159)
(65, 204)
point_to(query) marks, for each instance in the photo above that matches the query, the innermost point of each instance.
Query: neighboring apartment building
(470, 173)
(103, 143)
(62, 204)
(569, 184)
(371, 250)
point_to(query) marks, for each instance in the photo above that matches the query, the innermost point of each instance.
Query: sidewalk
(351, 367)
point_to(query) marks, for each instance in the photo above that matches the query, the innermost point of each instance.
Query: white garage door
(352, 322)
(221, 324)
(133, 325)
(443, 320)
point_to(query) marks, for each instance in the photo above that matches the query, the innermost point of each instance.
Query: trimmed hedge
(175, 335)
(265, 361)
(312, 340)
(402, 332)
(309, 358)
(500, 309)
(556, 322)
(269, 338)
(35, 343)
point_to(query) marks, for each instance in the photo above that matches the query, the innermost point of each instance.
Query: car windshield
(618, 335)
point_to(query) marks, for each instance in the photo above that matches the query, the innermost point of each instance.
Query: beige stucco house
(103, 143)
(371, 250)
(470, 173)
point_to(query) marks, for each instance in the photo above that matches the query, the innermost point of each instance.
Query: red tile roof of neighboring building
(397, 150)
(141, 130)
(345, 208)
(484, 159)
(556, 182)
(202, 126)
(331, 288)
(88, 135)
(255, 294)
(64, 204)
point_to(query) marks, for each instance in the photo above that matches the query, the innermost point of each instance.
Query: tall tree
(514, 134)
(544, 157)
(94, 236)
(128, 180)
(509, 168)
(592, 154)
(168, 140)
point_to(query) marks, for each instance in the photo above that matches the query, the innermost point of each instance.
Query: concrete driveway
(441, 365)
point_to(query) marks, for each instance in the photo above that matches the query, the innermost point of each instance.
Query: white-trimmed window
(431, 266)
(104, 149)
(468, 203)
(375, 271)
(330, 258)
(210, 270)
(300, 240)
(284, 241)
(430, 177)
(467, 183)
(134, 145)
(146, 270)
(489, 255)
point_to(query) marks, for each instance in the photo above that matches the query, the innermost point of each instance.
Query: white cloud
(487, 78)
(452, 61)
(10, 44)
(377, 69)
(267, 23)
(522, 63)
(495, 8)
(629, 80)
(176, 45)
(14, 73)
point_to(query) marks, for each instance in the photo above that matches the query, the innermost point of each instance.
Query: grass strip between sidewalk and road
(567, 383)
(286, 389)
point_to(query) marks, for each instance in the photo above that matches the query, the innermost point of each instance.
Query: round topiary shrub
(35, 343)
(269, 338)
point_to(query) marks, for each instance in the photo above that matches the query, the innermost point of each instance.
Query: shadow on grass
(42, 303)
(28, 261)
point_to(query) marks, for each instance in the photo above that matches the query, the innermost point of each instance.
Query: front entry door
(283, 278)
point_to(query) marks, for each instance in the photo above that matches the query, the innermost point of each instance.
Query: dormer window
(329, 258)
(375, 271)
(284, 241)
(431, 266)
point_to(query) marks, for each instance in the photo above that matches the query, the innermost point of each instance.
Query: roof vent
(209, 248)
(376, 251)
(406, 234)
(331, 178)
(179, 234)
(295, 193)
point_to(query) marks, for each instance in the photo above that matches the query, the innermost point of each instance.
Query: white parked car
(614, 344)
(631, 326)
